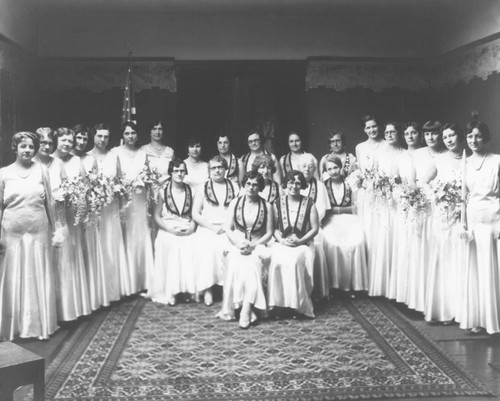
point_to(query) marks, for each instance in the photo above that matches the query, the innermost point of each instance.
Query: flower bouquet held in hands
(73, 192)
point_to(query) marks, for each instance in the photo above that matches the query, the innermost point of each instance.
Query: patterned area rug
(354, 349)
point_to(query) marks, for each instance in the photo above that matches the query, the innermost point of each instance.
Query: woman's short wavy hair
(176, 162)
(295, 173)
(264, 160)
(18, 137)
(62, 131)
(250, 175)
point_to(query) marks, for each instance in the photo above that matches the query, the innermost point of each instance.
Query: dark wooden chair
(20, 367)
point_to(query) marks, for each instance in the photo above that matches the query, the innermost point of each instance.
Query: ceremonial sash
(346, 199)
(232, 170)
(346, 167)
(300, 225)
(212, 198)
(170, 203)
(287, 164)
(273, 192)
(313, 189)
(246, 157)
(239, 215)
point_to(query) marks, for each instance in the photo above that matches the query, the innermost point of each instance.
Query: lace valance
(98, 76)
(460, 65)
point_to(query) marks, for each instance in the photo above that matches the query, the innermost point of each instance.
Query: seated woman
(290, 281)
(264, 164)
(249, 228)
(174, 265)
(344, 240)
(209, 212)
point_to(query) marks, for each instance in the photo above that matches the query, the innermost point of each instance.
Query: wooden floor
(479, 354)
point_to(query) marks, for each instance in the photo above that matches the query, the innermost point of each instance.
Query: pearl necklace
(481, 164)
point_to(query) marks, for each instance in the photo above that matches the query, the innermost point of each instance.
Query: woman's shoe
(207, 298)
(172, 301)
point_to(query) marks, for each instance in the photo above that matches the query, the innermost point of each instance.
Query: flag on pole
(128, 109)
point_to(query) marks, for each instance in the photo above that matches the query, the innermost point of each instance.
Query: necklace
(433, 153)
(26, 172)
(454, 155)
(481, 164)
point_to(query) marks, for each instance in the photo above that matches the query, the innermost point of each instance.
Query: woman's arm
(277, 174)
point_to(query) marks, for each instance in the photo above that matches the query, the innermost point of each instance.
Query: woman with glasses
(174, 267)
(290, 281)
(254, 141)
(337, 144)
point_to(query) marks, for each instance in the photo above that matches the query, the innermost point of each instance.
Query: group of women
(276, 234)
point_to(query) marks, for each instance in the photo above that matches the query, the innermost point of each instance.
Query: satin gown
(72, 287)
(160, 161)
(138, 243)
(27, 282)
(197, 174)
(92, 253)
(482, 276)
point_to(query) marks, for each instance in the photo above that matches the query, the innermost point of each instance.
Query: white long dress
(197, 174)
(482, 295)
(345, 245)
(112, 240)
(245, 274)
(159, 160)
(317, 192)
(175, 263)
(138, 243)
(444, 297)
(290, 281)
(211, 247)
(27, 282)
(72, 287)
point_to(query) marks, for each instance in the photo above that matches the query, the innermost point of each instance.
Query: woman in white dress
(482, 311)
(210, 213)
(92, 251)
(72, 286)
(110, 230)
(291, 160)
(264, 164)
(366, 152)
(134, 163)
(255, 145)
(159, 155)
(249, 228)
(344, 239)
(224, 149)
(27, 282)
(337, 143)
(406, 228)
(174, 267)
(290, 281)
(315, 189)
(197, 169)
(44, 156)
(421, 245)
(384, 213)
(444, 297)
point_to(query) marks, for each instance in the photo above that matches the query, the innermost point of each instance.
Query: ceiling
(256, 7)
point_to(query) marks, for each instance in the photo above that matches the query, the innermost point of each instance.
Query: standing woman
(138, 243)
(365, 154)
(92, 251)
(174, 268)
(249, 228)
(110, 231)
(421, 247)
(44, 156)
(224, 149)
(290, 161)
(384, 212)
(255, 141)
(159, 155)
(290, 280)
(27, 285)
(406, 230)
(337, 143)
(483, 218)
(197, 169)
(345, 243)
(444, 299)
(73, 297)
(264, 164)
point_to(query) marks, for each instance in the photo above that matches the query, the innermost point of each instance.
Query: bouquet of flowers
(412, 200)
(73, 191)
(355, 180)
(124, 188)
(100, 194)
(448, 199)
(381, 184)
